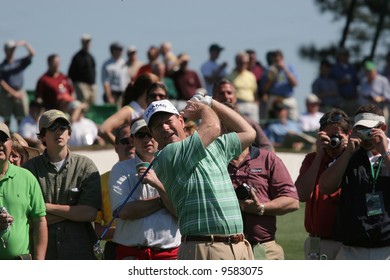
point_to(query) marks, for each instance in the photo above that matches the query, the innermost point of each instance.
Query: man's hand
(5, 220)
(193, 110)
(202, 97)
(380, 140)
(251, 205)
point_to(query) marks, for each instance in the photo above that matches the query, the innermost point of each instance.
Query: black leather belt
(214, 238)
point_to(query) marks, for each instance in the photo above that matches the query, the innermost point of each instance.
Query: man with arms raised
(193, 170)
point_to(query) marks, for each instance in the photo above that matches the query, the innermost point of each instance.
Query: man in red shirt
(54, 88)
(320, 211)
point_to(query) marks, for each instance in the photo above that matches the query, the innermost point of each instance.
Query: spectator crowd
(198, 176)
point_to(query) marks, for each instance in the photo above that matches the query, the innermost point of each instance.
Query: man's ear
(181, 120)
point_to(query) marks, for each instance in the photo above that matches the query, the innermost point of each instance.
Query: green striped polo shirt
(197, 181)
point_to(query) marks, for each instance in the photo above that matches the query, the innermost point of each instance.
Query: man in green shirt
(194, 172)
(22, 207)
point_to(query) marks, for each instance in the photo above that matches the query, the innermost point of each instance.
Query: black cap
(116, 46)
(215, 47)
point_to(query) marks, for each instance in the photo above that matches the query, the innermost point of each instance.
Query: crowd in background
(263, 88)
(212, 184)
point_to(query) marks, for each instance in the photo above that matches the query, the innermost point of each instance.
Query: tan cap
(86, 37)
(312, 99)
(4, 129)
(137, 125)
(49, 117)
(32, 152)
(131, 49)
(368, 120)
(11, 44)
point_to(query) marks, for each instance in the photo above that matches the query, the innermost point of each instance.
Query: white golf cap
(11, 44)
(159, 106)
(86, 37)
(369, 120)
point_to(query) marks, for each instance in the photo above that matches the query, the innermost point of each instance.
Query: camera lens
(335, 142)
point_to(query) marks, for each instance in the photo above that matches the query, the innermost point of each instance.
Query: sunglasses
(56, 126)
(142, 135)
(336, 118)
(124, 141)
(154, 96)
(3, 138)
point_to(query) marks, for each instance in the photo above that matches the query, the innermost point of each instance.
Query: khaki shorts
(86, 92)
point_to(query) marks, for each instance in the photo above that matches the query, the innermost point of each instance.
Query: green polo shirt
(21, 195)
(199, 186)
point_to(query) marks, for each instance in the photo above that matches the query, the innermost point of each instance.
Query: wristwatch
(386, 154)
(262, 209)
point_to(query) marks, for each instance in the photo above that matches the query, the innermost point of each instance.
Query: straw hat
(32, 152)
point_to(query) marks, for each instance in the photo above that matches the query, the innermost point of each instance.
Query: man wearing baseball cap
(13, 97)
(193, 170)
(211, 70)
(82, 72)
(146, 227)
(21, 201)
(70, 184)
(363, 172)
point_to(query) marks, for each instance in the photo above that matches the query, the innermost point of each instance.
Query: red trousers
(145, 253)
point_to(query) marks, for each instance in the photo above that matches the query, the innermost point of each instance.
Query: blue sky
(54, 26)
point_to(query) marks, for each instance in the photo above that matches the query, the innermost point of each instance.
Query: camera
(365, 134)
(335, 141)
(243, 191)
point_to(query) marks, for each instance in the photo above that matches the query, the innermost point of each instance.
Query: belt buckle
(229, 239)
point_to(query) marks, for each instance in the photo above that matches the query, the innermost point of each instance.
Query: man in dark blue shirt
(13, 98)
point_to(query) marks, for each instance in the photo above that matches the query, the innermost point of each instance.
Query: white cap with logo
(159, 106)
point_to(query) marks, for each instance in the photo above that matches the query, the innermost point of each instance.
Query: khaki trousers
(198, 250)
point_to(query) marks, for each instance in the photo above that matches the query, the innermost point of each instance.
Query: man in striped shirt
(194, 172)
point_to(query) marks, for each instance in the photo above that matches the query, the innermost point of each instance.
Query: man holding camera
(320, 209)
(362, 173)
(265, 190)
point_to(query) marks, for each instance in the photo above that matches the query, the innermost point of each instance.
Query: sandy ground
(105, 159)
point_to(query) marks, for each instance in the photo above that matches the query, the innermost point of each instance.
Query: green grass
(291, 233)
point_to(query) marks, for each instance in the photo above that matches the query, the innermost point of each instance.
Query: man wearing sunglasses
(320, 209)
(362, 173)
(21, 201)
(125, 149)
(70, 184)
(146, 227)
